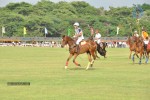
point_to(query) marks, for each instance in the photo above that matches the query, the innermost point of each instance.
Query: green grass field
(113, 78)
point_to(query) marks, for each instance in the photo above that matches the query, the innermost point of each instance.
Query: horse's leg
(130, 54)
(96, 54)
(137, 55)
(144, 55)
(75, 56)
(141, 53)
(68, 61)
(94, 57)
(105, 54)
(90, 59)
(133, 57)
(147, 58)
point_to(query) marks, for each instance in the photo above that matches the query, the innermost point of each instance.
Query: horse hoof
(79, 65)
(87, 68)
(133, 61)
(66, 67)
(91, 65)
(146, 62)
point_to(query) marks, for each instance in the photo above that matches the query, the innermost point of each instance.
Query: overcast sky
(96, 3)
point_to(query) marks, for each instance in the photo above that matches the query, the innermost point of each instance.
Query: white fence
(112, 42)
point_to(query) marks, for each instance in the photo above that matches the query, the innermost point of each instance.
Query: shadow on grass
(138, 63)
(79, 68)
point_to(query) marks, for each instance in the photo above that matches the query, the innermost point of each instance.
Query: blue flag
(46, 31)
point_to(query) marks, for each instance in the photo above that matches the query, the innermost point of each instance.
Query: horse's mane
(129, 40)
(69, 38)
(139, 39)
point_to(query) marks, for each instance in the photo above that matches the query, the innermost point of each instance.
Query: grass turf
(113, 78)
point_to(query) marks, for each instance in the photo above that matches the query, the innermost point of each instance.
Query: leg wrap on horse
(67, 63)
(133, 58)
(146, 60)
(92, 62)
(140, 61)
(88, 66)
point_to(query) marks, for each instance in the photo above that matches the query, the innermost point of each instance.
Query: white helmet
(135, 31)
(76, 24)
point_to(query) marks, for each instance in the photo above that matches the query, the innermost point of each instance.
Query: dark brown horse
(88, 47)
(101, 48)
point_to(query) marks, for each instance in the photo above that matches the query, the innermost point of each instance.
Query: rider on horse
(92, 31)
(145, 38)
(136, 34)
(78, 35)
(97, 37)
(100, 45)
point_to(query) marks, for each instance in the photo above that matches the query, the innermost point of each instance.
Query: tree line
(59, 17)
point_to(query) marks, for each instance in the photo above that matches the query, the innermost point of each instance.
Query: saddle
(83, 42)
(77, 47)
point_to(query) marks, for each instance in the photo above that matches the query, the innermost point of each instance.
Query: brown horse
(147, 52)
(132, 45)
(139, 48)
(89, 47)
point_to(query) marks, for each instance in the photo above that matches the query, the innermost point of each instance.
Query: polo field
(111, 78)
